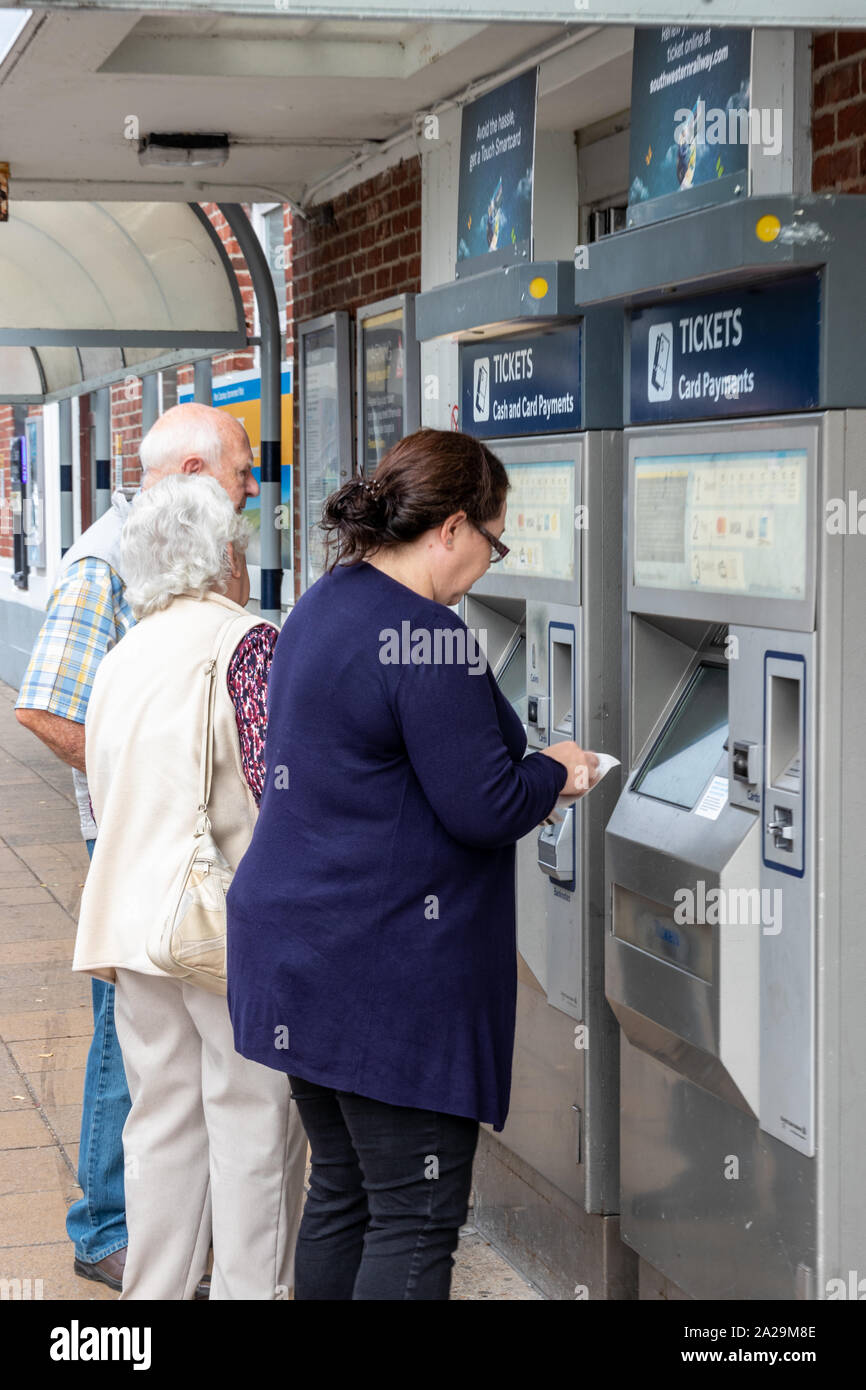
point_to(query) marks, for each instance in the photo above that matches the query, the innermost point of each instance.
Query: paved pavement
(45, 1024)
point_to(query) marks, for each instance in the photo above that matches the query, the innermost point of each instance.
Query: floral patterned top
(247, 680)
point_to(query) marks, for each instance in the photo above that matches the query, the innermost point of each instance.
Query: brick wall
(370, 250)
(126, 430)
(839, 111)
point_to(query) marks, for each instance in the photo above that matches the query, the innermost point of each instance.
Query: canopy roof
(91, 291)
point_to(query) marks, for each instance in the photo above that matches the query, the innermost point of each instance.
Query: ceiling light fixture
(193, 151)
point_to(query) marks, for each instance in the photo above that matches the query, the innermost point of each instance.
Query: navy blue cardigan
(371, 923)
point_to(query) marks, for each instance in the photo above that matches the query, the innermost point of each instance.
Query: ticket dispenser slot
(562, 682)
(556, 841)
(784, 731)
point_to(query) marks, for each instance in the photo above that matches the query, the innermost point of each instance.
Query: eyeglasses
(499, 550)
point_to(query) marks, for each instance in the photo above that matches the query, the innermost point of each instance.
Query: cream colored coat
(143, 741)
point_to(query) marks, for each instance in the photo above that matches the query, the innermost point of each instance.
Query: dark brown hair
(422, 480)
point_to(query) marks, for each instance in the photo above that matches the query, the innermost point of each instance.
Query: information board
(326, 428)
(540, 520)
(384, 357)
(731, 523)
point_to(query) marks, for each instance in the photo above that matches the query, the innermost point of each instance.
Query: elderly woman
(213, 1145)
(373, 915)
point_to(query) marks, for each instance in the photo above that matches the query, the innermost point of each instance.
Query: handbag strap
(206, 761)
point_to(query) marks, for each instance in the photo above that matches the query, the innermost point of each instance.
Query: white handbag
(188, 938)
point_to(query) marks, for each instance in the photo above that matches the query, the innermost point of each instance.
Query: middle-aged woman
(213, 1146)
(371, 946)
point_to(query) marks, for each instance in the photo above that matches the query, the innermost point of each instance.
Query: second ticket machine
(546, 396)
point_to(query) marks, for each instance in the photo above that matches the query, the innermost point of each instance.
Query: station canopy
(92, 291)
(745, 13)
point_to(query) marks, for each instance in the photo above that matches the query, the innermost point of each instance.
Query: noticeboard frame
(411, 369)
(341, 324)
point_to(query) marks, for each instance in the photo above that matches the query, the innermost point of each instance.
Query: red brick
(824, 131)
(850, 41)
(851, 120)
(824, 49)
(839, 84)
(831, 170)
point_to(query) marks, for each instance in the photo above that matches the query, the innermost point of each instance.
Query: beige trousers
(213, 1148)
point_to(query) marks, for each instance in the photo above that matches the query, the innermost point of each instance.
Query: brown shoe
(108, 1271)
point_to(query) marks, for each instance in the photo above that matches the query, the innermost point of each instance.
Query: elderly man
(87, 614)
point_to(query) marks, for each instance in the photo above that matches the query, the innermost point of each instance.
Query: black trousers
(389, 1191)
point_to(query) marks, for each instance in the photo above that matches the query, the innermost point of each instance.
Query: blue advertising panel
(525, 385)
(748, 351)
(691, 122)
(497, 157)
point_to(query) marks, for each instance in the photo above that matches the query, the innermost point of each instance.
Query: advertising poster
(690, 113)
(241, 395)
(497, 156)
(4, 192)
(384, 375)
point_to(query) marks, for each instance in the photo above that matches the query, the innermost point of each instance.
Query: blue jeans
(389, 1191)
(96, 1223)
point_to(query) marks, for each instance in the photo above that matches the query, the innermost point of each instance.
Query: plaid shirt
(86, 615)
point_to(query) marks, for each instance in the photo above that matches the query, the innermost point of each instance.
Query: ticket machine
(546, 396)
(735, 951)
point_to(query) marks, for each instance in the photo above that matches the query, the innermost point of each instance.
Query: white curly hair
(175, 541)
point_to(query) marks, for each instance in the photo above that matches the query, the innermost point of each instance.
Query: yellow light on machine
(538, 287)
(767, 228)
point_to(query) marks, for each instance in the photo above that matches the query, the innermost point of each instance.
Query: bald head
(194, 438)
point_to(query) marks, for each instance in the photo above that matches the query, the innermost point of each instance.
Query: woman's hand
(582, 767)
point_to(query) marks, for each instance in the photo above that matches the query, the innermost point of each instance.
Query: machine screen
(731, 523)
(684, 759)
(540, 522)
(512, 680)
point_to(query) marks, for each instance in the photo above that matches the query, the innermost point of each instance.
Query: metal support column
(149, 401)
(203, 381)
(271, 442)
(67, 524)
(101, 406)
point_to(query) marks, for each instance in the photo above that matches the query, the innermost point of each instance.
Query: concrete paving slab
(24, 1129)
(32, 1217)
(49, 1270)
(62, 1023)
(50, 1054)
